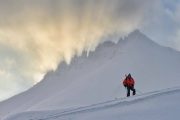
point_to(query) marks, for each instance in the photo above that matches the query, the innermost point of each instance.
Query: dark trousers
(130, 88)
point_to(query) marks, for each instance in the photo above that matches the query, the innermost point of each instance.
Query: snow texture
(159, 105)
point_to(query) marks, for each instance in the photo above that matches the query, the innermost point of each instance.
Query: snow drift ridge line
(107, 104)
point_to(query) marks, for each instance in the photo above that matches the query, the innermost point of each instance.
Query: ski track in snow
(103, 105)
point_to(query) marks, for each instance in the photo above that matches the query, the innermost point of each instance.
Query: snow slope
(159, 105)
(97, 78)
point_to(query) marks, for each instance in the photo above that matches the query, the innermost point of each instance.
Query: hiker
(129, 84)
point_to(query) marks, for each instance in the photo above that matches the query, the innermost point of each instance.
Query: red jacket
(129, 82)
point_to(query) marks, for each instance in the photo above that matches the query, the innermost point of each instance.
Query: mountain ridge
(97, 77)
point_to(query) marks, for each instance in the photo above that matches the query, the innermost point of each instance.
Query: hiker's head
(129, 75)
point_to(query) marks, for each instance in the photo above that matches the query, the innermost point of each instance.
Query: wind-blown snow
(98, 77)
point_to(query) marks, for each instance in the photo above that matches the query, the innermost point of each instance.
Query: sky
(36, 35)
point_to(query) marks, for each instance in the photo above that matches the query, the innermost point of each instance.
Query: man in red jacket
(129, 84)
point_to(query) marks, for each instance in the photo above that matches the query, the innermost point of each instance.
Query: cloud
(51, 31)
(163, 23)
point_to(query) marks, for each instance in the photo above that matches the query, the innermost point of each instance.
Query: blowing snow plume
(38, 34)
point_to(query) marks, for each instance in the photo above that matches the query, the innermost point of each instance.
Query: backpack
(129, 81)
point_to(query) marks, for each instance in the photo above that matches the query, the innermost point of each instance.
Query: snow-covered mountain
(98, 77)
